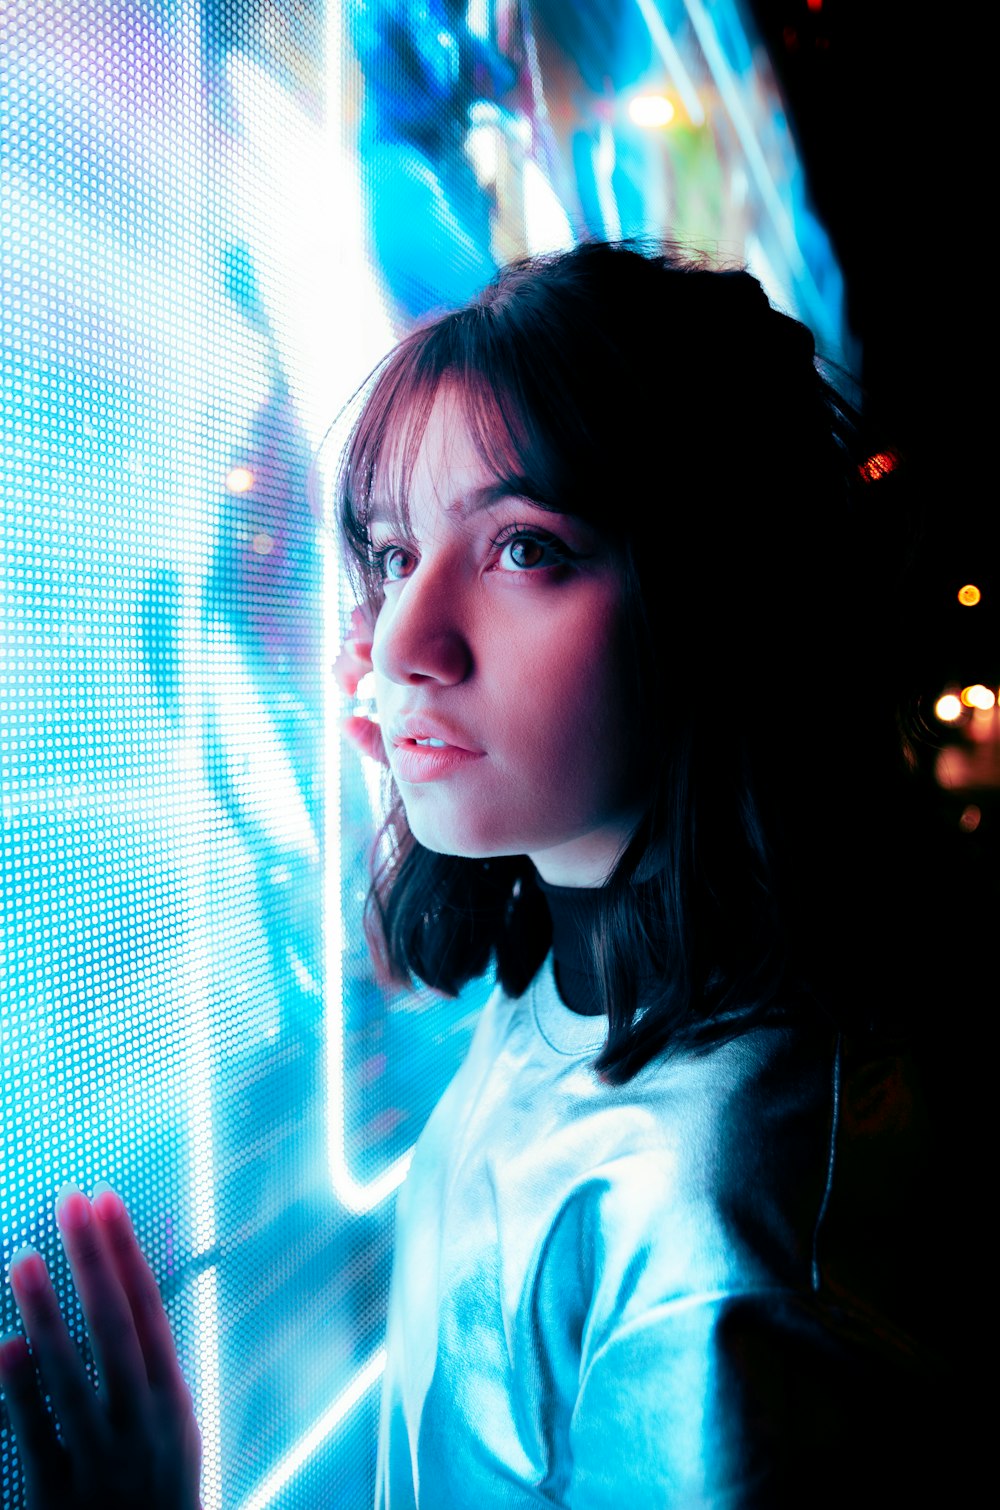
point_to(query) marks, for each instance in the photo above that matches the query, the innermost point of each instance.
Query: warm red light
(878, 465)
(815, 4)
(970, 819)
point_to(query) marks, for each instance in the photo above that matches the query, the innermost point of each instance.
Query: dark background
(888, 104)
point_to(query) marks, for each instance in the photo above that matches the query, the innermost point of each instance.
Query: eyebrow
(471, 503)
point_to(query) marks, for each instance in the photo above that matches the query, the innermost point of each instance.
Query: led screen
(215, 218)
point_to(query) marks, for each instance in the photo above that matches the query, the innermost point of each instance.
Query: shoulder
(715, 1163)
(746, 1308)
(754, 1165)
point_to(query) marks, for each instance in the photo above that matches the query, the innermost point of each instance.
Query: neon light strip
(673, 62)
(352, 1193)
(729, 91)
(198, 1043)
(363, 326)
(317, 1434)
(193, 472)
(730, 95)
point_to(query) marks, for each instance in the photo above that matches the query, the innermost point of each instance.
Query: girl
(625, 577)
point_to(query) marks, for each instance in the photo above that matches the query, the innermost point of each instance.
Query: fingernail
(31, 1275)
(107, 1203)
(13, 1350)
(72, 1209)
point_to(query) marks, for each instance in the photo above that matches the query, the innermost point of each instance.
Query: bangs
(461, 352)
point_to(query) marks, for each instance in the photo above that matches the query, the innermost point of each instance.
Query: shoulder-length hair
(671, 406)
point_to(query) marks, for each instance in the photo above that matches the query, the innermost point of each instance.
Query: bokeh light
(650, 111)
(239, 480)
(948, 708)
(970, 818)
(978, 696)
(878, 465)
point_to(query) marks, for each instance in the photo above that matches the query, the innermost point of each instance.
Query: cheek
(584, 676)
(569, 707)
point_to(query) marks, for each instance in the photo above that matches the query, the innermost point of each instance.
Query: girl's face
(500, 634)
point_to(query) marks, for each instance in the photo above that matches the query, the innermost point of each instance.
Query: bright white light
(353, 1194)
(365, 693)
(546, 224)
(978, 696)
(604, 167)
(206, 1309)
(948, 708)
(650, 111)
(477, 18)
(298, 200)
(674, 63)
(239, 480)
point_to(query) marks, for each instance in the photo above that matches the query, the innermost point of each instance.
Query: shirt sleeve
(752, 1402)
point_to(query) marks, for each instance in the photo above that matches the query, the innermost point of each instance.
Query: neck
(574, 911)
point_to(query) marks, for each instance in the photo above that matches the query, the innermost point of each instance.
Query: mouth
(419, 760)
(430, 742)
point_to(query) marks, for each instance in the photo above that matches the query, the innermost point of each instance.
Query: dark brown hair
(670, 405)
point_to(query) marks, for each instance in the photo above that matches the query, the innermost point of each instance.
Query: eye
(385, 561)
(530, 548)
(523, 549)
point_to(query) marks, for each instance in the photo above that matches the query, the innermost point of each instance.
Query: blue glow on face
(213, 221)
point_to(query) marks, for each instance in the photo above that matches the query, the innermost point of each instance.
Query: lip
(415, 763)
(410, 726)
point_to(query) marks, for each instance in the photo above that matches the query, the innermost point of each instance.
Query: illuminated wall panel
(214, 219)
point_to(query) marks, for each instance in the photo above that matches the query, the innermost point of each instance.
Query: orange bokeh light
(878, 465)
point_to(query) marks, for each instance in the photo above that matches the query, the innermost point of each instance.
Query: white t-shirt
(608, 1297)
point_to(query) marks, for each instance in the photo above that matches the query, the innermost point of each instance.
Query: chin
(467, 849)
(464, 844)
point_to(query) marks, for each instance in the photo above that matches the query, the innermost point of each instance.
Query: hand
(133, 1444)
(354, 662)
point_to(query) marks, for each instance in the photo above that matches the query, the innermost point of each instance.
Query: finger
(56, 1357)
(139, 1284)
(367, 736)
(346, 674)
(39, 1448)
(110, 1322)
(360, 646)
(353, 662)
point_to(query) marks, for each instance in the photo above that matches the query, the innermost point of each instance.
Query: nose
(420, 634)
